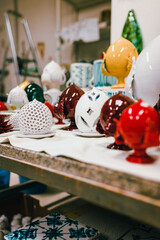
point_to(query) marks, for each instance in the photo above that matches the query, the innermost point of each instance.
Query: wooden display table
(126, 194)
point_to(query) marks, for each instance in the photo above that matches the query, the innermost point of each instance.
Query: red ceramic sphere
(111, 110)
(3, 106)
(139, 128)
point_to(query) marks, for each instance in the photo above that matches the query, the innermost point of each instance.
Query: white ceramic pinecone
(35, 118)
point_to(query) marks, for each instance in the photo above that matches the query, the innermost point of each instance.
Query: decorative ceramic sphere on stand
(17, 98)
(111, 110)
(14, 120)
(88, 110)
(35, 118)
(117, 61)
(34, 91)
(139, 128)
(53, 75)
(146, 81)
(65, 107)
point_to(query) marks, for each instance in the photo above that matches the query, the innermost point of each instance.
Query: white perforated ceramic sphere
(88, 110)
(35, 118)
(14, 120)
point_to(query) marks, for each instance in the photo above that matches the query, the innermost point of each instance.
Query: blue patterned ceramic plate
(54, 227)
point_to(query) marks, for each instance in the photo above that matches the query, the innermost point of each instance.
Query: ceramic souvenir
(99, 79)
(54, 227)
(14, 120)
(146, 84)
(138, 127)
(81, 74)
(52, 95)
(53, 75)
(34, 91)
(88, 109)
(132, 32)
(65, 107)
(3, 107)
(24, 84)
(35, 118)
(17, 98)
(111, 110)
(117, 61)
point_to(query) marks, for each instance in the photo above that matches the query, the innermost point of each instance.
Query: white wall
(147, 13)
(41, 17)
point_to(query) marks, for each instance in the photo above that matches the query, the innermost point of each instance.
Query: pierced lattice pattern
(35, 118)
(14, 120)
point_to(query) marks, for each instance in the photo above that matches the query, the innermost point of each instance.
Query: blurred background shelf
(82, 4)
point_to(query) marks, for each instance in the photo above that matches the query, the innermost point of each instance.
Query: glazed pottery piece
(54, 227)
(99, 79)
(138, 128)
(81, 74)
(17, 98)
(117, 61)
(65, 107)
(111, 110)
(146, 84)
(24, 84)
(35, 118)
(132, 32)
(34, 91)
(88, 109)
(53, 75)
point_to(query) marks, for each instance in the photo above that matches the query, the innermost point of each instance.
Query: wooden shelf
(83, 4)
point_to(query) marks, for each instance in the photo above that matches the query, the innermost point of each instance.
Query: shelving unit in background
(81, 48)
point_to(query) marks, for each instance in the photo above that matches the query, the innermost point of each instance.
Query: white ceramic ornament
(53, 74)
(88, 110)
(17, 98)
(146, 83)
(14, 120)
(35, 118)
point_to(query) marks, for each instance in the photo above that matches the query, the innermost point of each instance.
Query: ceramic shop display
(52, 95)
(3, 108)
(139, 128)
(132, 32)
(81, 74)
(54, 227)
(53, 75)
(88, 109)
(117, 61)
(14, 120)
(99, 79)
(146, 84)
(35, 118)
(17, 98)
(111, 110)
(65, 107)
(34, 91)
